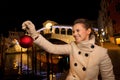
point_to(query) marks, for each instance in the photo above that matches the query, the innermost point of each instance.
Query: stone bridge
(62, 33)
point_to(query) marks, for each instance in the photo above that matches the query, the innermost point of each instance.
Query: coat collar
(87, 45)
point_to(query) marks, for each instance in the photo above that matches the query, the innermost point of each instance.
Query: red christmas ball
(26, 41)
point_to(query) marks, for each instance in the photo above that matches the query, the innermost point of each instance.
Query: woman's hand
(30, 28)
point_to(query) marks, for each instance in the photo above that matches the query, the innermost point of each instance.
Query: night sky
(14, 13)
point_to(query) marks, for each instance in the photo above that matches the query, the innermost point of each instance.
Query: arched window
(57, 30)
(63, 31)
(69, 32)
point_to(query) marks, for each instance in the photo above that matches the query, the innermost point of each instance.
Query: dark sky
(14, 13)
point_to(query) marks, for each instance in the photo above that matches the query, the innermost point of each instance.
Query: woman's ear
(89, 30)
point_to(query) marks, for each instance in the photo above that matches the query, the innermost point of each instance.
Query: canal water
(38, 64)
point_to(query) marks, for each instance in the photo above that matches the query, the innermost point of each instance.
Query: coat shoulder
(101, 49)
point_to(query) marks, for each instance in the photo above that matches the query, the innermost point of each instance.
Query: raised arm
(44, 43)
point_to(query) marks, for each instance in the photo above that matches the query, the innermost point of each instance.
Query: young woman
(87, 60)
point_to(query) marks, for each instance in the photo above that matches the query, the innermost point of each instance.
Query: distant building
(10, 44)
(109, 18)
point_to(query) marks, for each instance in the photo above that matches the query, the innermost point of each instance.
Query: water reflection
(37, 63)
(31, 61)
(18, 61)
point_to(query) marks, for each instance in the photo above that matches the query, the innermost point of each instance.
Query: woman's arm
(106, 68)
(52, 48)
(44, 43)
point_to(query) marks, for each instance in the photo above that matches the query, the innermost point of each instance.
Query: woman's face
(80, 33)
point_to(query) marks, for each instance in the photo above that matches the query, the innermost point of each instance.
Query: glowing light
(117, 40)
(48, 25)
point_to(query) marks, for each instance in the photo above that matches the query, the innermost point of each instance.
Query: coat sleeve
(106, 67)
(52, 48)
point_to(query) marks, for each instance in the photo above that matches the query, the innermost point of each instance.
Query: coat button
(75, 64)
(86, 54)
(84, 68)
(92, 46)
(79, 52)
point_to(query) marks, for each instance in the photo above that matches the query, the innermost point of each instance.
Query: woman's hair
(87, 24)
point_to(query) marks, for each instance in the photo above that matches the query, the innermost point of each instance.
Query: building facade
(109, 19)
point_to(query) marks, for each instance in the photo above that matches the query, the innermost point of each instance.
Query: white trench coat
(86, 59)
